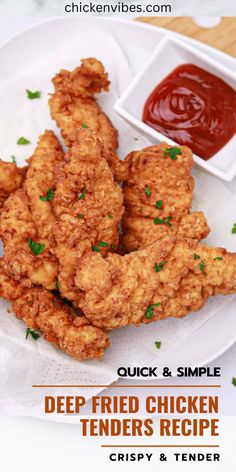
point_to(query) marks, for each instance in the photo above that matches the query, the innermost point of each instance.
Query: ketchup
(195, 108)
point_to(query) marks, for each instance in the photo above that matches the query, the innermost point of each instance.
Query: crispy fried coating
(169, 278)
(89, 207)
(42, 310)
(73, 105)
(26, 217)
(11, 178)
(158, 198)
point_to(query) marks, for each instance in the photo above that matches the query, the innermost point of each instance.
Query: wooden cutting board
(222, 36)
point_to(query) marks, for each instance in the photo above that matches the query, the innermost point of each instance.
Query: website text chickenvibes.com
(119, 7)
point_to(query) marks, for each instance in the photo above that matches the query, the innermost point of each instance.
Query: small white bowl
(170, 54)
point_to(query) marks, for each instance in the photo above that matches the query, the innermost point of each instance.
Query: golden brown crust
(89, 207)
(73, 105)
(11, 179)
(178, 274)
(24, 216)
(159, 188)
(42, 310)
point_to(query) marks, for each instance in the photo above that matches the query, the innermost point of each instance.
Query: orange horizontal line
(127, 386)
(160, 445)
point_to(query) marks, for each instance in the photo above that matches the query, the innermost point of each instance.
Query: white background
(31, 444)
(179, 7)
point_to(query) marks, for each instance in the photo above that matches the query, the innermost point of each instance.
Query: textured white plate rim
(230, 336)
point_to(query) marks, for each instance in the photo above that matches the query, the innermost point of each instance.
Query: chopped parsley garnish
(23, 140)
(147, 191)
(49, 195)
(112, 247)
(84, 126)
(80, 216)
(150, 310)
(95, 248)
(159, 267)
(34, 333)
(202, 266)
(158, 344)
(57, 284)
(196, 256)
(234, 381)
(159, 204)
(233, 231)
(110, 215)
(36, 248)
(172, 152)
(103, 244)
(218, 258)
(32, 95)
(82, 195)
(164, 221)
(13, 159)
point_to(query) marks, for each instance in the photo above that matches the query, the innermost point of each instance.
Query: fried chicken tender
(25, 217)
(158, 197)
(41, 309)
(11, 178)
(170, 278)
(89, 207)
(73, 106)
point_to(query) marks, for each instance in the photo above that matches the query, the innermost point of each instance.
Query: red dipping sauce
(195, 108)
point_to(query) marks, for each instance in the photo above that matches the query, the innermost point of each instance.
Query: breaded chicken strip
(27, 217)
(158, 197)
(89, 207)
(73, 105)
(41, 309)
(11, 178)
(169, 278)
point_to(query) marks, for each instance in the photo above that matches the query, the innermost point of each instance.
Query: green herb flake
(172, 152)
(158, 344)
(13, 159)
(23, 141)
(95, 248)
(196, 256)
(202, 266)
(35, 247)
(57, 284)
(147, 191)
(103, 244)
(84, 126)
(164, 221)
(159, 204)
(32, 95)
(234, 381)
(34, 333)
(80, 216)
(82, 195)
(150, 310)
(49, 195)
(159, 267)
(233, 231)
(110, 215)
(218, 258)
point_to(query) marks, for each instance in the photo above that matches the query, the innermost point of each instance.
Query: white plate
(138, 42)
